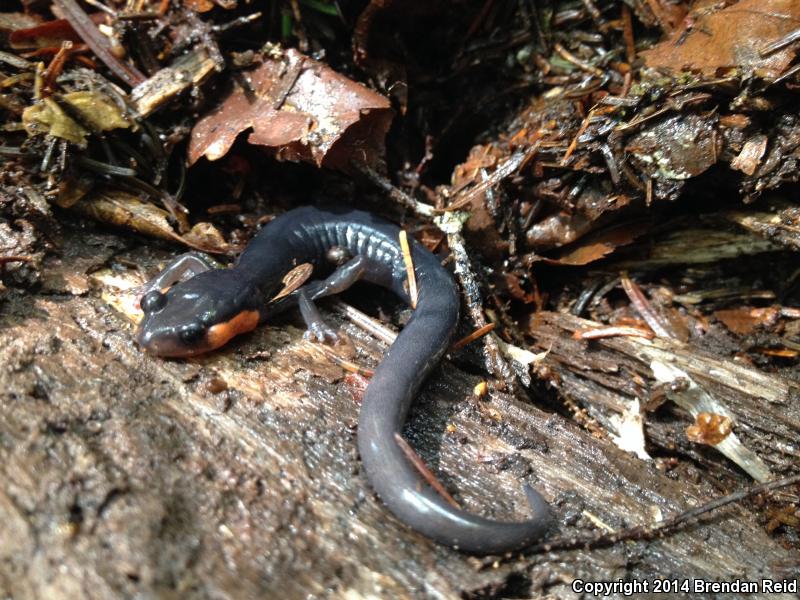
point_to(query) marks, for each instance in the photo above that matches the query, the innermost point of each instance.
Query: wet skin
(188, 316)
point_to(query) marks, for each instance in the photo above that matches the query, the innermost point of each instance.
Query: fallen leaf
(206, 237)
(677, 148)
(302, 111)
(47, 117)
(714, 42)
(598, 245)
(750, 157)
(71, 190)
(122, 209)
(294, 279)
(745, 320)
(557, 230)
(96, 111)
(200, 6)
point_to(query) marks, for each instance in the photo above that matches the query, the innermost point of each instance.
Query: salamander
(191, 308)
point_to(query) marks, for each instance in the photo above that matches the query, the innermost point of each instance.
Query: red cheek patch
(219, 334)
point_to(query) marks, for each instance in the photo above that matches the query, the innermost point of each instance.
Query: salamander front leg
(341, 279)
(317, 328)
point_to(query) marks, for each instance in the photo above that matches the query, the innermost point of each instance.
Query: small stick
(347, 365)
(627, 34)
(412, 277)
(365, 322)
(606, 332)
(570, 57)
(642, 306)
(423, 469)
(85, 27)
(492, 355)
(419, 208)
(475, 335)
(14, 258)
(56, 66)
(640, 532)
(574, 143)
(780, 43)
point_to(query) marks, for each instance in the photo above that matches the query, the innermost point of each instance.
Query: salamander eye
(192, 333)
(153, 301)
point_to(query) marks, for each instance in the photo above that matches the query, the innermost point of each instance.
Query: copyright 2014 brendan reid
(635, 587)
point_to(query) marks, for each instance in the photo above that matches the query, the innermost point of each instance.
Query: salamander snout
(175, 341)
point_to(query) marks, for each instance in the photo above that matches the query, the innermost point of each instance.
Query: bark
(122, 475)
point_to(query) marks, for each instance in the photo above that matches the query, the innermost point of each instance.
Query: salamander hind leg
(340, 280)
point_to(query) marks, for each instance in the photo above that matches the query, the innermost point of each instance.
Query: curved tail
(398, 483)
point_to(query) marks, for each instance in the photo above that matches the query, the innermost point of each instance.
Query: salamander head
(199, 314)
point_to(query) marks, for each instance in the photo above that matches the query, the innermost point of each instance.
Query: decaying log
(236, 475)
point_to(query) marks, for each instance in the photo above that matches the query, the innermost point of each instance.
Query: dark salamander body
(204, 311)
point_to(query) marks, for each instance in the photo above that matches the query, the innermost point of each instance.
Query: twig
(627, 34)
(4, 260)
(512, 164)
(642, 306)
(645, 532)
(596, 15)
(420, 208)
(423, 469)
(300, 32)
(606, 332)
(493, 356)
(570, 57)
(343, 363)
(475, 335)
(410, 274)
(365, 322)
(85, 27)
(779, 44)
(241, 21)
(56, 66)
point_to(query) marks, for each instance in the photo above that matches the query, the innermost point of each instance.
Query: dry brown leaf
(207, 238)
(71, 190)
(47, 117)
(302, 111)
(718, 41)
(677, 148)
(95, 110)
(745, 320)
(294, 279)
(598, 245)
(750, 157)
(200, 6)
(122, 209)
